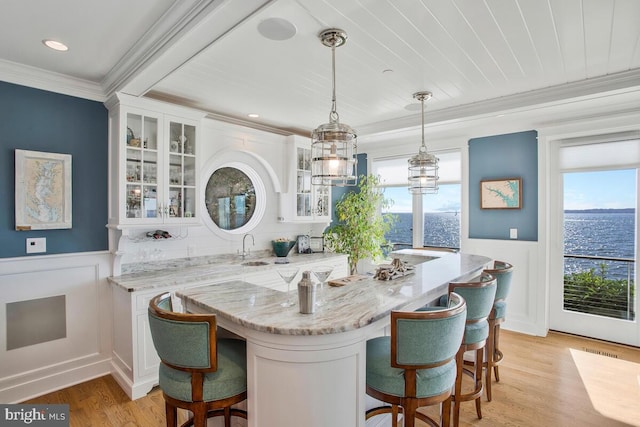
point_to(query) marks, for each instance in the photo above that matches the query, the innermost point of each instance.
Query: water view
(606, 234)
(440, 229)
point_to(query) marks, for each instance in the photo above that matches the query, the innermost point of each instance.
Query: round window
(234, 197)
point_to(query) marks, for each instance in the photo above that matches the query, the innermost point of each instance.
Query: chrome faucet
(253, 241)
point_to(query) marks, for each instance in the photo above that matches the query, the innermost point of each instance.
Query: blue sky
(604, 189)
(447, 199)
(582, 190)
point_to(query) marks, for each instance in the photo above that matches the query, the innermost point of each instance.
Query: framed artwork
(303, 244)
(501, 193)
(316, 244)
(43, 190)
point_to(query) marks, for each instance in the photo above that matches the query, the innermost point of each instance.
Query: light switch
(513, 233)
(37, 245)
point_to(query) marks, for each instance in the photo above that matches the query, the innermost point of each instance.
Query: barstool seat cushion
(475, 332)
(229, 380)
(386, 379)
(500, 309)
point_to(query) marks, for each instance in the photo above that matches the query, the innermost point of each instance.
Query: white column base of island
(309, 369)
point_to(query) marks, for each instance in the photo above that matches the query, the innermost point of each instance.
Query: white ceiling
(476, 56)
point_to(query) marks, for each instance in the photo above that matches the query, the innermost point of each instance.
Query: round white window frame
(261, 200)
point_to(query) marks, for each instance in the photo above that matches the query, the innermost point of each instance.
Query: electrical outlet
(37, 245)
(513, 233)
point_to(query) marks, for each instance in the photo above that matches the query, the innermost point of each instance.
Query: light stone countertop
(185, 271)
(346, 308)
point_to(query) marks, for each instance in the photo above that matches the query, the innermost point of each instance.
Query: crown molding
(187, 28)
(26, 75)
(155, 41)
(627, 81)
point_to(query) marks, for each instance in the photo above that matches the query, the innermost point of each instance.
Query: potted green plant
(360, 231)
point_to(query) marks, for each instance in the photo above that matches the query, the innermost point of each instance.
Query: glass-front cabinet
(304, 202)
(156, 150)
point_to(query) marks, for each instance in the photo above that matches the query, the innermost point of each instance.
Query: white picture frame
(43, 190)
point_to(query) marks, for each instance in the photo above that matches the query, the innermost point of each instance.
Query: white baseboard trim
(134, 391)
(26, 386)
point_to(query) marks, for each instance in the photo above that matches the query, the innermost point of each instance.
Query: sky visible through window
(614, 189)
(446, 200)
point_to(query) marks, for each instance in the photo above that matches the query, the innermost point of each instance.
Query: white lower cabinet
(135, 361)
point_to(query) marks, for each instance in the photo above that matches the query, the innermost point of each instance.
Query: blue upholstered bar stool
(415, 366)
(502, 271)
(197, 372)
(479, 295)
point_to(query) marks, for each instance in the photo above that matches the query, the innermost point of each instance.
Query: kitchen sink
(254, 263)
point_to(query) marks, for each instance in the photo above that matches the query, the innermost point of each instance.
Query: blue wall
(338, 192)
(504, 156)
(32, 119)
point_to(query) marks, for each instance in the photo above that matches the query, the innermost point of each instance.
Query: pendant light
(333, 146)
(423, 167)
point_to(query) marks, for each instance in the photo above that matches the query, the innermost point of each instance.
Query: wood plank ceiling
(464, 51)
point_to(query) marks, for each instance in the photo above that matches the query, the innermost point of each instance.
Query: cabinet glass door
(303, 182)
(142, 166)
(182, 170)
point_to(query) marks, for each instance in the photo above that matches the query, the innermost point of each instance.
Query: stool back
(426, 339)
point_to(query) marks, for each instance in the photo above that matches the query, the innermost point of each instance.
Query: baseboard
(42, 381)
(134, 391)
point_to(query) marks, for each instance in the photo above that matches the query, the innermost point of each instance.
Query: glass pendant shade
(423, 167)
(333, 144)
(333, 152)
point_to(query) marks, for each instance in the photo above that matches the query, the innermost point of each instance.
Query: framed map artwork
(501, 193)
(43, 190)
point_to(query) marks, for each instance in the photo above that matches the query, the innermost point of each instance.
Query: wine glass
(322, 273)
(287, 275)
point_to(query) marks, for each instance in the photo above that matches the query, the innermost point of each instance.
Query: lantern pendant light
(423, 167)
(333, 146)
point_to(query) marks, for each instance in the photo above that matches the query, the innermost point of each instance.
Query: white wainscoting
(526, 304)
(85, 351)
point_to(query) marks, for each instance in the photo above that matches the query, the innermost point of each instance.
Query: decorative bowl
(282, 249)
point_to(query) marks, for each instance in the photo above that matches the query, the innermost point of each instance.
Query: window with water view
(441, 217)
(599, 242)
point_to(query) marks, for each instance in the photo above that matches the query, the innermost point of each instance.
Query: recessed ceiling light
(55, 45)
(253, 115)
(277, 29)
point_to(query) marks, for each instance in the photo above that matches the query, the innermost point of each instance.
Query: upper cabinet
(303, 202)
(154, 157)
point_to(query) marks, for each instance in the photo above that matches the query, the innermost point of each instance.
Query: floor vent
(600, 353)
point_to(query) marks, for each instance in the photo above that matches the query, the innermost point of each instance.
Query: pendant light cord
(333, 115)
(423, 148)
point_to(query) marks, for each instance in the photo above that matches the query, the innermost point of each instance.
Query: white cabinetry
(303, 202)
(134, 360)
(154, 164)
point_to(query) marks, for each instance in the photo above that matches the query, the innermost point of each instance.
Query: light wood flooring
(559, 380)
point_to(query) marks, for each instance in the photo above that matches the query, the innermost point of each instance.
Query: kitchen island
(309, 369)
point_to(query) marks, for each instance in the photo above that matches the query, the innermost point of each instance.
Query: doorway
(593, 264)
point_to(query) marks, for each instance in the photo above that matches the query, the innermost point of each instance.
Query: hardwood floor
(559, 380)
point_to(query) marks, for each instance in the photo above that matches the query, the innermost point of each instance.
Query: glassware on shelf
(288, 274)
(322, 273)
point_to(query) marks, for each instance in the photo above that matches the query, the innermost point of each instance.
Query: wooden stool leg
(446, 413)
(458, 387)
(478, 382)
(497, 354)
(171, 414)
(490, 357)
